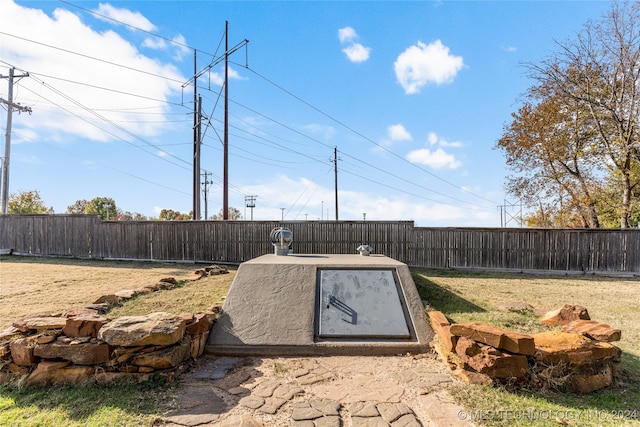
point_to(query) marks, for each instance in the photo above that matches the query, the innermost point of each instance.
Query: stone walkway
(332, 391)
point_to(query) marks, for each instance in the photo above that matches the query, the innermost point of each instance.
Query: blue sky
(414, 95)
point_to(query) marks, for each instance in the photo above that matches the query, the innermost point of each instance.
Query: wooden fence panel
(86, 236)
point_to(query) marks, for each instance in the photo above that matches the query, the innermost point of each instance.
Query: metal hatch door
(361, 304)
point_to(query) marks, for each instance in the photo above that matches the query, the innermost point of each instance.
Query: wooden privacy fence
(84, 236)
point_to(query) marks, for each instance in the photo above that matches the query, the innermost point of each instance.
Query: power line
(365, 137)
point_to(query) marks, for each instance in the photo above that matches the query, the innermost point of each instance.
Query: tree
(600, 72)
(548, 145)
(27, 203)
(234, 215)
(130, 216)
(104, 207)
(78, 208)
(171, 215)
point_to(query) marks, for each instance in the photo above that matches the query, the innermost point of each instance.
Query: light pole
(282, 218)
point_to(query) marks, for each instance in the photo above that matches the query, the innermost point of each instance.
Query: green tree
(234, 215)
(78, 208)
(104, 207)
(27, 203)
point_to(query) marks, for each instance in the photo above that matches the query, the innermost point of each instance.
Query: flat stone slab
(198, 405)
(360, 389)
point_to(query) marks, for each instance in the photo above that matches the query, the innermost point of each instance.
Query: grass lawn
(30, 285)
(487, 297)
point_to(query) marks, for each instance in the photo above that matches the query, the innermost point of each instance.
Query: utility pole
(197, 119)
(335, 173)
(205, 192)
(7, 142)
(225, 175)
(250, 202)
(196, 143)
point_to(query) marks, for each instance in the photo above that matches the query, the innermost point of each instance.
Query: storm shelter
(321, 304)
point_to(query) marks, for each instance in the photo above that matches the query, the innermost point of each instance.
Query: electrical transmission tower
(11, 107)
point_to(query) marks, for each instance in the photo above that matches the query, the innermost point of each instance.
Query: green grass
(486, 297)
(122, 404)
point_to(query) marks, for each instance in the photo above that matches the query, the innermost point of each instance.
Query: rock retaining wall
(82, 345)
(578, 357)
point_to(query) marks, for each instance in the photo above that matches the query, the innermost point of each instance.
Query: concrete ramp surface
(297, 305)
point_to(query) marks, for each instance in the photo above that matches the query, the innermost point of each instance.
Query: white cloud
(85, 111)
(422, 64)
(398, 133)
(437, 159)
(125, 16)
(434, 139)
(395, 133)
(357, 52)
(347, 34)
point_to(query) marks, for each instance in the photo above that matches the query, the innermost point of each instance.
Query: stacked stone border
(82, 344)
(578, 356)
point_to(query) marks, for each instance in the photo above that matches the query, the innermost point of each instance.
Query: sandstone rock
(45, 339)
(166, 358)
(57, 373)
(594, 330)
(566, 314)
(126, 293)
(21, 325)
(170, 280)
(450, 358)
(155, 329)
(10, 333)
(198, 344)
(79, 354)
(4, 351)
(499, 338)
(188, 317)
(110, 299)
(587, 383)
(442, 328)
(199, 324)
(470, 377)
(40, 323)
(84, 325)
(490, 361)
(81, 311)
(22, 352)
(561, 347)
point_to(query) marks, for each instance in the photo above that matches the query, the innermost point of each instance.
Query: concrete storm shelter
(296, 304)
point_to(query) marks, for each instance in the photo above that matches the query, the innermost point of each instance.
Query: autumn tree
(171, 215)
(104, 207)
(599, 72)
(78, 208)
(234, 215)
(548, 146)
(27, 203)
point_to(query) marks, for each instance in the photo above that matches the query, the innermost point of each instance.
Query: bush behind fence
(84, 236)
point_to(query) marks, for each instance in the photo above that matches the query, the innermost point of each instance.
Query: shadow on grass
(442, 299)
